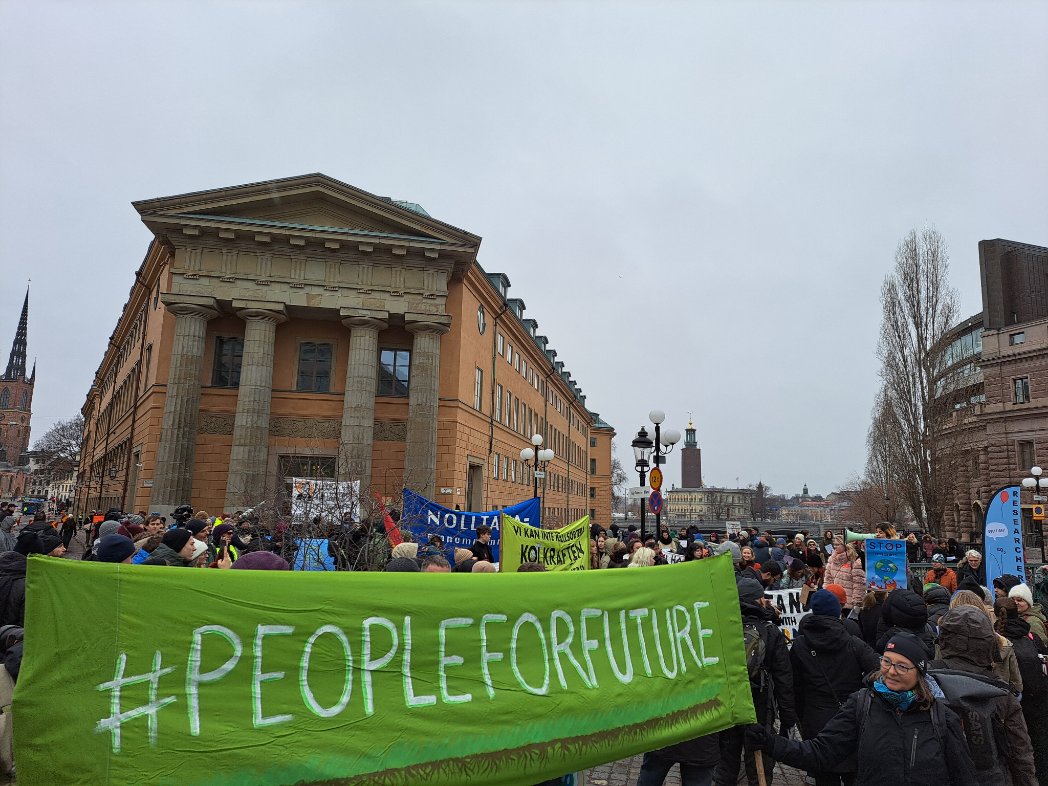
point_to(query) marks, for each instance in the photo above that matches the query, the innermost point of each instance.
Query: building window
(593, 514)
(498, 403)
(307, 467)
(593, 442)
(394, 372)
(314, 367)
(481, 321)
(229, 353)
(478, 390)
(1021, 387)
(593, 466)
(516, 415)
(1027, 459)
(5, 399)
(516, 361)
(509, 354)
(1015, 339)
(593, 492)
(499, 344)
(495, 467)
(25, 401)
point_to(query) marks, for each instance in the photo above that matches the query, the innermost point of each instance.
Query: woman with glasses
(889, 727)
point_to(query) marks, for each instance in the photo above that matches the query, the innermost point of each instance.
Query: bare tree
(60, 448)
(620, 483)
(919, 308)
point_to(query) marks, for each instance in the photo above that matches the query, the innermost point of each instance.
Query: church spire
(16, 363)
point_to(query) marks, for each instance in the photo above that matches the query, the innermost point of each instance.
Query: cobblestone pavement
(625, 772)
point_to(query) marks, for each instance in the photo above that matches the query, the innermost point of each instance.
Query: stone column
(358, 409)
(420, 457)
(246, 481)
(173, 478)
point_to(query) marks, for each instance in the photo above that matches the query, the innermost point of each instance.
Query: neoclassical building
(304, 327)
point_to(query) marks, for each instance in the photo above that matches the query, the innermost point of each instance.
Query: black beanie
(750, 590)
(196, 526)
(401, 565)
(905, 609)
(49, 540)
(910, 647)
(970, 583)
(176, 539)
(114, 548)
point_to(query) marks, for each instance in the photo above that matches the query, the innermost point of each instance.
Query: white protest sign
(329, 499)
(788, 602)
(671, 556)
(733, 527)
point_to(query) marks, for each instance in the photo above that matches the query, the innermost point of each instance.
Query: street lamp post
(665, 441)
(1039, 487)
(641, 450)
(538, 456)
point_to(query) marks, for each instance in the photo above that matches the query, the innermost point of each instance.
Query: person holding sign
(899, 732)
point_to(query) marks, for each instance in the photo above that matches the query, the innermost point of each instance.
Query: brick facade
(203, 264)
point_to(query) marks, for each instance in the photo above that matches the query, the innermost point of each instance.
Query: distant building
(709, 504)
(16, 396)
(690, 460)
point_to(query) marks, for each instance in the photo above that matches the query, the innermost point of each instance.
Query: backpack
(972, 697)
(756, 649)
(1031, 655)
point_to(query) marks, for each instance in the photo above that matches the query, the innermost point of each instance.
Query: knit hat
(825, 603)
(108, 527)
(905, 609)
(796, 564)
(199, 547)
(400, 565)
(910, 647)
(461, 555)
(750, 590)
(114, 548)
(176, 539)
(196, 526)
(49, 540)
(405, 550)
(1021, 592)
(261, 560)
(1006, 581)
(938, 558)
(219, 531)
(780, 542)
(968, 582)
(839, 592)
(929, 585)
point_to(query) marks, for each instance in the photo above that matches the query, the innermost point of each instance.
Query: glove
(757, 737)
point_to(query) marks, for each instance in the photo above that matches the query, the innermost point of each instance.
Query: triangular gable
(306, 203)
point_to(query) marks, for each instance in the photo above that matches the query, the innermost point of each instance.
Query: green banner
(566, 548)
(142, 674)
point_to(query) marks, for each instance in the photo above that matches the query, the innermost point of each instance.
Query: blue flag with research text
(458, 528)
(1004, 536)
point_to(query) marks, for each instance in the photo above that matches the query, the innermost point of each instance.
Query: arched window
(5, 399)
(25, 399)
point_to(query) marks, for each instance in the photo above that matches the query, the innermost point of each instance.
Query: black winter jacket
(938, 600)
(777, 687)
(894, 749)
(828, 666)
(869, 620)
(964, 569)
(12, 588)
(1027, 650)
(701, 751)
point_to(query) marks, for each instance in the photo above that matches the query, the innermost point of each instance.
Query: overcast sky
(697, 201)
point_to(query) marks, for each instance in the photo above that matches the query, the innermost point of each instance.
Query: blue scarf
(899, 701)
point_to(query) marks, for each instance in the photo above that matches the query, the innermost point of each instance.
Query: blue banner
(1004, 536)
(423, 517)
(886, 564)
(312, 554)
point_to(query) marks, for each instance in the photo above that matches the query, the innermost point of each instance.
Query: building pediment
(310, 205)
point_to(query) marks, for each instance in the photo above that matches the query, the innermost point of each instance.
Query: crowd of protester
(874, 688)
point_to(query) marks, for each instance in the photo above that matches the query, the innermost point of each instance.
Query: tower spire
(16, 362)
